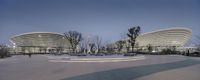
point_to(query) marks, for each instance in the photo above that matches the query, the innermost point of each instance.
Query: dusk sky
(108, 19)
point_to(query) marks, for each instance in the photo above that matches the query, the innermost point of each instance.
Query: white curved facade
(166, 37)
(171, 38)
(38, 42)
(42, 42)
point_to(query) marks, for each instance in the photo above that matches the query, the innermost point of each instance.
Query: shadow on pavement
(134, 72)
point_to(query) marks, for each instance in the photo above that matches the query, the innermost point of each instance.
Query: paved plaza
(152, 67)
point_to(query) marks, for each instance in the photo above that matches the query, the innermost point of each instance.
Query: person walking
(29, 55)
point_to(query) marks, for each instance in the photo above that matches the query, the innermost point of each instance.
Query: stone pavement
(154, 67)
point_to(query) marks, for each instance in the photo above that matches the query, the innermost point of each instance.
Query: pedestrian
(29, 55)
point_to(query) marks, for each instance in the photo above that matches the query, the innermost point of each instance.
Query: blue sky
(109, 19)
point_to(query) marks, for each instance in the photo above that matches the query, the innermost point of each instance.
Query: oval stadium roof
(43, 39)
(166, 37)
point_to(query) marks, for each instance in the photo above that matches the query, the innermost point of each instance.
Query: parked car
(195, 54)
(130, 54)
(81, 54)
(99, 54)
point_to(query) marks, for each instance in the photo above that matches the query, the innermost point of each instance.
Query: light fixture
(39, 36)
(175, 42)
(14, 46)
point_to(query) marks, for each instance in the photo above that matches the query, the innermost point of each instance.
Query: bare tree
(126, 42)
(4, 51)
(133, 33)
(110, 48)
(92, 44)
(97, 41)
(85, 44)
(120, 45)
(104, 46)
(74, 38)
(59, 50)
(149, 47)
(92, 47)
(127, 46)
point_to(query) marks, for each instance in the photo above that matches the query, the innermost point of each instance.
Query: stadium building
(171, 38)
(49, 42)
(40, 42)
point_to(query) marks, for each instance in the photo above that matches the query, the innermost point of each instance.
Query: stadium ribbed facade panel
(39, 42)
(166, 37)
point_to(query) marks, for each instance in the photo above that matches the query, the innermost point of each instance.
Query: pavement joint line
(100, 59)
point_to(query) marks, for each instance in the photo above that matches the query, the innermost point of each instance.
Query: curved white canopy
(43, 39)
(167, 37)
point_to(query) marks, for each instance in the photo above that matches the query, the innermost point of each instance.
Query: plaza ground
(153, 67)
